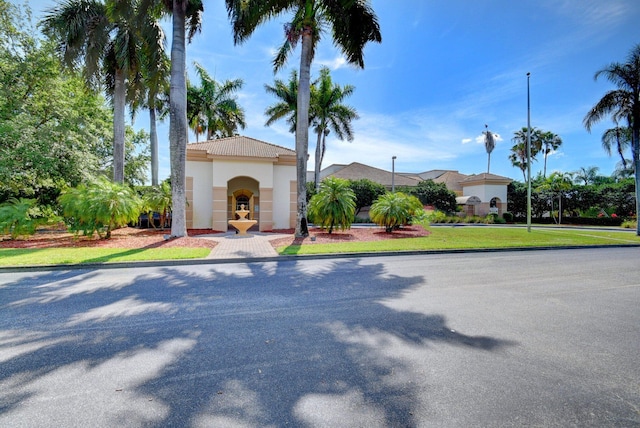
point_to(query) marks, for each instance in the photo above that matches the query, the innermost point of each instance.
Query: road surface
(534, 338)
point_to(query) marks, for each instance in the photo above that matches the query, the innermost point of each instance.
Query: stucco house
(226, 173)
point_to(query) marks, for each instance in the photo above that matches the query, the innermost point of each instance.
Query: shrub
(629, 224)
(100, 207)
(394, 209)
(334, 205)
(508, 217)
(20, 217)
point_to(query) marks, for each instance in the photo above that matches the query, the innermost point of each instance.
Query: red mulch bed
(129, 237)
(355, 234)
(126, 237)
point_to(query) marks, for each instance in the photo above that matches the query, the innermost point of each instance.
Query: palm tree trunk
(119, 98)
(318, 159)
(178, 131)
(635, 144)
(302, 132)
(153, 137)
(488, 162)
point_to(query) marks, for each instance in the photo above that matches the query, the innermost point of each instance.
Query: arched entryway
(243, 191)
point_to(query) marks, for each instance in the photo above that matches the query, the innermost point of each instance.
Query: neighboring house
(479, 194)
(226, 173)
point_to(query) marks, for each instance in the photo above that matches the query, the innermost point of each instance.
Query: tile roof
(356, 171)
(241, 146)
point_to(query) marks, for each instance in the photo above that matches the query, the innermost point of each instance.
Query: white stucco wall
(487, 192)
(283, 175)
(202, 193)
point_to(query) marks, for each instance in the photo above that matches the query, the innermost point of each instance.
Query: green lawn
(447, 238)
(55, 256)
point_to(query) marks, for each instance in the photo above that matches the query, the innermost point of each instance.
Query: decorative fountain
(243, 223)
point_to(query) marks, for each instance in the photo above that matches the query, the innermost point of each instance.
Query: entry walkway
(233, 246)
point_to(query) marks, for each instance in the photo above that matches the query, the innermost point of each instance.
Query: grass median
(448, 238)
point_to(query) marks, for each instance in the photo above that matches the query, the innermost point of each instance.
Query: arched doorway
(243, 191)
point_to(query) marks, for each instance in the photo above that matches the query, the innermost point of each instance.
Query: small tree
(394, 209)
(100, 207)
(158, 199)
(334, 205)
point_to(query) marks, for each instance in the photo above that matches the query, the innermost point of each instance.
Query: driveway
(547, 338)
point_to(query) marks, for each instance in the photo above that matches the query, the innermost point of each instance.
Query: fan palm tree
(353, 24)
(489, 145)
(286, 106)
(548, 143)
(557, 184)
(330, 114)
(212, 107)
(620, 137)
(622, 103)
(102, 38)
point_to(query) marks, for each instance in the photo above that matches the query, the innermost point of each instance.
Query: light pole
(528, 157)
(393, 173)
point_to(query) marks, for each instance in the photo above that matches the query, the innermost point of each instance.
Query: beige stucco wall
(487, 192)
(210, 182)
(202, 202)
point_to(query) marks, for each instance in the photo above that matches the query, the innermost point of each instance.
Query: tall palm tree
(186, 22)
(620, 137)
(102, 38)
(151, 85)
(548, 142)
(518, 156)
(287, 105)
(353, 24)
(622, 103)
(330, 114)
(213, 107)
(489, 144)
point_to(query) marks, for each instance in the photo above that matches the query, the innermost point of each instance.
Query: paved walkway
(233, 246)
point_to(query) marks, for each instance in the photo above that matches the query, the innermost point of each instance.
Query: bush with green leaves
(158, 199)
(334, 205)
(99, 207)
(19, 217)
(394, 209)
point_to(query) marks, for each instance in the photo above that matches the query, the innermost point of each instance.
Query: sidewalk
(233, 246)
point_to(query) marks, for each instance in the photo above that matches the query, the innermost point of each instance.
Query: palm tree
(587, 175)
(352, 23)
(101, 37)
(286, 107)
(549, 142)
(334, 205)
(186, 22)
(621, 138)
(330, 114)
(489, 144)
(622, 103)
(557, 184)
(212, 107)
(518, 156)
(151, 84)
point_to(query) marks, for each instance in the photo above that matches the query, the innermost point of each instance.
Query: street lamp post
(528, 157)
(393, 174)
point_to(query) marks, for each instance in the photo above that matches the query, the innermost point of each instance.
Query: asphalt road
(538, 338)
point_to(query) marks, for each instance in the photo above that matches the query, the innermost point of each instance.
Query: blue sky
(444, 69)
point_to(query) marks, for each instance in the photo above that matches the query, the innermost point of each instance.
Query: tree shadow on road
(261, 344)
